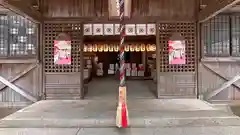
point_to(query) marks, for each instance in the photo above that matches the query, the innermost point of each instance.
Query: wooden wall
(63, 81)
(212, 74)
(28, 81)
(165, 9)
(177, 81)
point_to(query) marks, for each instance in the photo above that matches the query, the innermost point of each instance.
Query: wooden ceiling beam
(23, 8)
(215, 7)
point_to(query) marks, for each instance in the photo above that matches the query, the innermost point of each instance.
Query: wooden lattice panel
(187, 31)
(51, 31)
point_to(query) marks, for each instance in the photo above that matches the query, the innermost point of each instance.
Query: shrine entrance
(101, 58)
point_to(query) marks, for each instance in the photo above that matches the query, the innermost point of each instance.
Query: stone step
(134, 122)
(133, 104)
(137, 119)
(228, 130)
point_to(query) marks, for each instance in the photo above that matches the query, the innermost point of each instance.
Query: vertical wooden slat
(158, 59)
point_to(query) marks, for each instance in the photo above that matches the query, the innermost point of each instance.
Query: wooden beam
(18, 61)
(225, 85)
(18, 90)
(23, 8)
(31, 67)
(210, 93)
(215, 7)
(218, 73)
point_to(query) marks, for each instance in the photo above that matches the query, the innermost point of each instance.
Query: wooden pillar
(158, 49)
(82, 90)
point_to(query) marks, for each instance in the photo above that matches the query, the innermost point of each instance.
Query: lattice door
(187, 31)
(51, 30)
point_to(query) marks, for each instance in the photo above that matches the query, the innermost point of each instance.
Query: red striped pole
(122, 112)
(122, 47)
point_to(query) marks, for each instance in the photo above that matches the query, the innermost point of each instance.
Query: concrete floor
(103, 88)
(101, 114)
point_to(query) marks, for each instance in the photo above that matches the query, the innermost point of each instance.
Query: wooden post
(82, 90)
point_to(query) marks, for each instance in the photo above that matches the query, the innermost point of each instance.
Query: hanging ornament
(132, 47)
(126, 48)
(116, 47)
(110, 48)
(85, 49)
(105, 48)
(137, 48)
(94, 48)
(89, 47)
(143, 47)
(100, 47)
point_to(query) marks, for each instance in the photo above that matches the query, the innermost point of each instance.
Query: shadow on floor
(103, 88)
(236, 110)
(7, 111)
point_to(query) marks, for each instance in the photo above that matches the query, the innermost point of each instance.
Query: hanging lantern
(94, 48)
(116, 48)
(105, 48)
(143, 47)
(110, 48)
(137, 48)
(90, 48)
(100, 48)
(85, 49)
(126, 48)
(132, 47)
(148, 47)
(152, 47)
